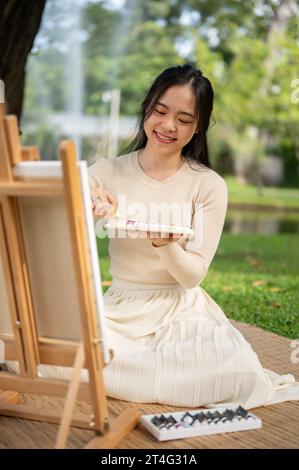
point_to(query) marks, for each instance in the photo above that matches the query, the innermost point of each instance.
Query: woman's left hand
(157, 239)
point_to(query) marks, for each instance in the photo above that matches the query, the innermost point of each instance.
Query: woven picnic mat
(280, 422)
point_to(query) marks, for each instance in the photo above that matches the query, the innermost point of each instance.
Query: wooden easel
(24, 344)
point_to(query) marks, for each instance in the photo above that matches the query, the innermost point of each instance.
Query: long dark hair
(197, 148)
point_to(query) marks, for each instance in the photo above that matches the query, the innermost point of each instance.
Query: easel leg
(9, 397)
(70, 399)
(120, 427)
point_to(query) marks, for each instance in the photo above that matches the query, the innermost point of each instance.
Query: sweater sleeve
(190, 265)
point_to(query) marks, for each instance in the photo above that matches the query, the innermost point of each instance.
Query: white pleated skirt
(175, 346)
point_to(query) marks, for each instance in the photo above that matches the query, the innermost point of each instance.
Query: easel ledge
(24, 344)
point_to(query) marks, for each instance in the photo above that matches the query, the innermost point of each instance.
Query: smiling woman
(177, 108)
(172, 343)
(172, 124)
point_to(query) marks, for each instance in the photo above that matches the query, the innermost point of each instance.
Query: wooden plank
(13, 140)
(51, 352)
(30, 153)
(120, 427)
(27, 323)
(52, 387)
(5, 163)
(63, 353)
(32, 188)
(85, 289)
(70, 400)
(11, 293)
(9, 397)
(48, 415)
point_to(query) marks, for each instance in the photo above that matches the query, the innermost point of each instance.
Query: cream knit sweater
(194, 196)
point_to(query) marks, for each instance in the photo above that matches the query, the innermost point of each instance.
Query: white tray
(190, 427)
(133, 225)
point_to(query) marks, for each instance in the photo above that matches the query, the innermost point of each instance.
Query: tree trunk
(283, 14)
(19, 23)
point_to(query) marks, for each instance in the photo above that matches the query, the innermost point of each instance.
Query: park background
(79, 69)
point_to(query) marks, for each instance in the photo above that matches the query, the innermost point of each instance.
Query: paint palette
(135, 225)
(193, 423)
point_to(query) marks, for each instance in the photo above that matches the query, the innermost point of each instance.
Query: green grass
(254, 279)
(271, 196)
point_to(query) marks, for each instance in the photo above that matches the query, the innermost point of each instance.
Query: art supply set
(194, 423)
(154, 227)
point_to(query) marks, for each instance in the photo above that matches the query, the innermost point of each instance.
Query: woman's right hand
(102, 203)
